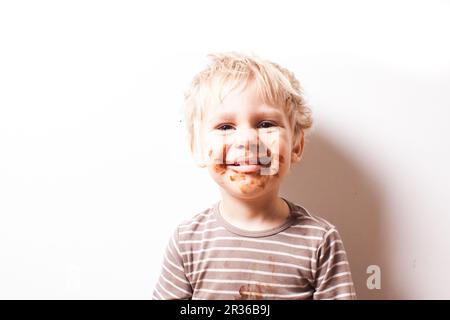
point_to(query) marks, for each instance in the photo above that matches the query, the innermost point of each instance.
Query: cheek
(277, 164)
(216, 157)
(272, 151)
(272, 145)
(278, 146)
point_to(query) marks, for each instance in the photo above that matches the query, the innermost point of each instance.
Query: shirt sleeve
(172, 283)
(333, 279)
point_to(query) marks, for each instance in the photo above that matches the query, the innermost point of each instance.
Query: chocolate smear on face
(219, 165)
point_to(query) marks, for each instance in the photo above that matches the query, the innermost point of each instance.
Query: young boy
(246, 122)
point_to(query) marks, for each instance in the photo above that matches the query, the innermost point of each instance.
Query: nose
(247, 139)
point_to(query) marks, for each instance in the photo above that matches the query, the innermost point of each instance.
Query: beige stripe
(342, 295)
(168, 292)
(331, 267)
(274, 295)
(325, 237)
(256, 293)
(157, 292)
(249, 240)
(287, 275)
(250, 250)
(335, 276)
(175, 245)
(250, 260)
(175, 276)
(334, 287)
(228, 281)
(332, 257)
(298, 226)
(172, 263)
(331, 246)
(174, 285)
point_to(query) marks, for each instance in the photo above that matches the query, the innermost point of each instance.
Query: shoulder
(310, 224)
(198, 222)
(191, 232)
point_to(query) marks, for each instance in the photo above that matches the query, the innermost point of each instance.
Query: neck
(257, 213)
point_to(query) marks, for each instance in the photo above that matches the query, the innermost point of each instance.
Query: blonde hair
(276, 85)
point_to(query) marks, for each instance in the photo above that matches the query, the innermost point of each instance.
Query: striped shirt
(208, 258)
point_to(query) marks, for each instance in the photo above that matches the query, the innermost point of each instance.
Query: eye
(267, 124)
(224, 127)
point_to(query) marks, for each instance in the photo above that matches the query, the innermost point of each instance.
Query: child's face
(248, 145)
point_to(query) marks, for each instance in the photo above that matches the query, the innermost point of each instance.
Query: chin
(249, 194)
(249, 189)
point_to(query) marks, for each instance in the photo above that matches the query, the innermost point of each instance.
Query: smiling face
(248, 145)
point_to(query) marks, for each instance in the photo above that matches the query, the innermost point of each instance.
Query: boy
(246, 121)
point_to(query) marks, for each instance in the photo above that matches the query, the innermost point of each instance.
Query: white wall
(94, 169)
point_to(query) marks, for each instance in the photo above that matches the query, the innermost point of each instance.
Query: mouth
(246, 166)
(249, 168)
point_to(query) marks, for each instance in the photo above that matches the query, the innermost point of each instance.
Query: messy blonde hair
(276, 85)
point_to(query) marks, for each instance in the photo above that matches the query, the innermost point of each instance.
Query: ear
(298, 147)
(199, 160)
(197, 153)
(200, 164)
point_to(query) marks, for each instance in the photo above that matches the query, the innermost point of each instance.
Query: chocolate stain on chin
(257, 181)
(236, 177)
(220, 168)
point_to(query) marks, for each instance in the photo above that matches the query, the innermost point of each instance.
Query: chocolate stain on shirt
(254, 292)
(257, 291)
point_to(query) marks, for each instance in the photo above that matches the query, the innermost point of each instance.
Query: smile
(248, 168)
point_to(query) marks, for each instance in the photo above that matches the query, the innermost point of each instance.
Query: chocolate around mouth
(249, 164)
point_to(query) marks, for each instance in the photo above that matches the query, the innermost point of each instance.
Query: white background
(94, 167)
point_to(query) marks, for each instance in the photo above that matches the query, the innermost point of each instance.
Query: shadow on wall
(331, 185)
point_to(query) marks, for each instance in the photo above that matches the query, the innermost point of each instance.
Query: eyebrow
(230, 115)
